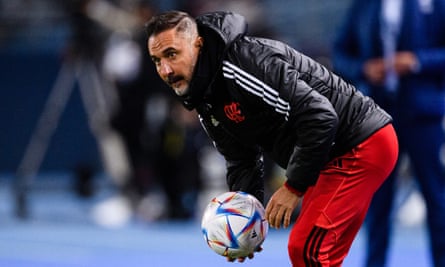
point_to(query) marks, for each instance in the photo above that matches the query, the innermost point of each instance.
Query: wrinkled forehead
(158, 41)
(170, 38)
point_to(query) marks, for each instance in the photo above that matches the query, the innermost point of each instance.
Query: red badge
(233, 112)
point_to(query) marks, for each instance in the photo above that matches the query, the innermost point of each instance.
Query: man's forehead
(162, 40)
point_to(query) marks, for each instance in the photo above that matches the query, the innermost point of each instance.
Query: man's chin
(180, 91)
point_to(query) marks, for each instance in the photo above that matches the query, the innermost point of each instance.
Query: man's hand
(280, 207)
(242, 259)
(405, 63)
(374, 71)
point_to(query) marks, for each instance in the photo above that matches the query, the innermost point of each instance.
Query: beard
(180, 92)
(179, 79)
(172, 80)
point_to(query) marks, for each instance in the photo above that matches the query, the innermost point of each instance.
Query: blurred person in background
(161, 151)
(257, 96)
(395, 51)
(180, 172)
(142, 105)
(83, 56)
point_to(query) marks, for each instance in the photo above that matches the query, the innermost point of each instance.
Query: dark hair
(168, 20)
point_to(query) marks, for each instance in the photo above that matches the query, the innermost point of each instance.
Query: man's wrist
(293, 190)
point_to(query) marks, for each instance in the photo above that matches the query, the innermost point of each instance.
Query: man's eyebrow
(164, 53)
(168, 50)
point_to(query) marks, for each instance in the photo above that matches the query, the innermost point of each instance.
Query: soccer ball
(234, 224)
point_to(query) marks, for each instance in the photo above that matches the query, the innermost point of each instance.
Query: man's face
(175, 55)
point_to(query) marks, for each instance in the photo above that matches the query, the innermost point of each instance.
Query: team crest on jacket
(233, 112)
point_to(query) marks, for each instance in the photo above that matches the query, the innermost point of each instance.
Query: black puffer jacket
(256, 95)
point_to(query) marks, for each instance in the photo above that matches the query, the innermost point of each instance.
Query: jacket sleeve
(312, 121)
(245, 167)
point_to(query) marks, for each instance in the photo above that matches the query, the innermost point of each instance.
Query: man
(257, 96)
(395, 50)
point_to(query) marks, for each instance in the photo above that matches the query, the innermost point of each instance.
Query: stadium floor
(60, 233)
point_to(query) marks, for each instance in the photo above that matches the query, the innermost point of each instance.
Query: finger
(279, 217)
(271, 218)
(230, 259)
(287, 216)
(269, 214)
(268, 209)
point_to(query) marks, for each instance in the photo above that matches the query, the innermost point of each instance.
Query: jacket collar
(219, 30)
(205, 71)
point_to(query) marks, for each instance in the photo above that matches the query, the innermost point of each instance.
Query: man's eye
(171, 54)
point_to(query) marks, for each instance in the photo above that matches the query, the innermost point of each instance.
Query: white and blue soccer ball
(234, 224)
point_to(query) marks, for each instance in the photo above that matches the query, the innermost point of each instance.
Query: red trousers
(334, 209)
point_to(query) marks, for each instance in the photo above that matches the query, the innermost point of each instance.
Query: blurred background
(100, 166)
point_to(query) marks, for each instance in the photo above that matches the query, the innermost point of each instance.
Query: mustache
(172, 79)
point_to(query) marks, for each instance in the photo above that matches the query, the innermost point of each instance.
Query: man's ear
(199, 42)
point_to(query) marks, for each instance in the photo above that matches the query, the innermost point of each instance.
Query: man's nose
(165, 69)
